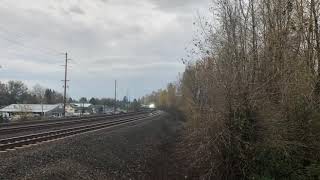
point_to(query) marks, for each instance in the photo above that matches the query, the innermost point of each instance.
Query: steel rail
(15, 142)
(19, 128)
(64, 119)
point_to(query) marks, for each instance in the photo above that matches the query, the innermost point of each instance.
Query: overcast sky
(138, 42)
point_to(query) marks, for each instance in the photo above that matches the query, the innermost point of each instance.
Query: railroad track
(5, 130)
(64, 119)
(34, 139)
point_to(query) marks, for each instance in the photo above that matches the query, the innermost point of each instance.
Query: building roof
(82, 105)
(35, 108)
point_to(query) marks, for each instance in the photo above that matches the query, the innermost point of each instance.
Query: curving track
(35, 125)
(33, 139)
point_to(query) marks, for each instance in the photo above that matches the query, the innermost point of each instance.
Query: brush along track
(16, 142)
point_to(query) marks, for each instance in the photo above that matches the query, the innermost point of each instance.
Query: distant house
(77, 109)
(103, 109)
(98, 109)
(32, 110)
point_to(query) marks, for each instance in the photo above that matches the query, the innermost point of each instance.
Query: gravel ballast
(124, 152)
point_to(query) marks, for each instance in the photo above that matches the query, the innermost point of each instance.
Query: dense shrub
(252, 100)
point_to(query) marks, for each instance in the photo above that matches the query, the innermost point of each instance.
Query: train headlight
(152, 106)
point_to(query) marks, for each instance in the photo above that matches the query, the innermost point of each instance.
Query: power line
(28, 47)
(20, 34)
(20, 37)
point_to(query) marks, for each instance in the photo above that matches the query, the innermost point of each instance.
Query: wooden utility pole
(65, 85)
(115, 96)
(127, 103)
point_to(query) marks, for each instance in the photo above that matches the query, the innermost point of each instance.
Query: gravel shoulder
(135, 151)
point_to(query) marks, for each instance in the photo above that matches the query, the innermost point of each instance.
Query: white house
(32, 110)
(77, 109)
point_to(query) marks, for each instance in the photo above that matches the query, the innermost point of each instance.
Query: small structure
(98, 109)
(78, 109)
(32, 110)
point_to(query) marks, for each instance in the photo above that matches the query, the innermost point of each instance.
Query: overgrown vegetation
(252, 100)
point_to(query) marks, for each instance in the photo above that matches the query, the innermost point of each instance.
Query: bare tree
(39, 91)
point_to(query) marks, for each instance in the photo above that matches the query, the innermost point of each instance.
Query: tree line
(163, 98)
(252, 100)
(124, 104)
(16, 92)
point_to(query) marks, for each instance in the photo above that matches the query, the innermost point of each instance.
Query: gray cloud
(77, 10)
(138, 43)
(176, 4)
(181, 6)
